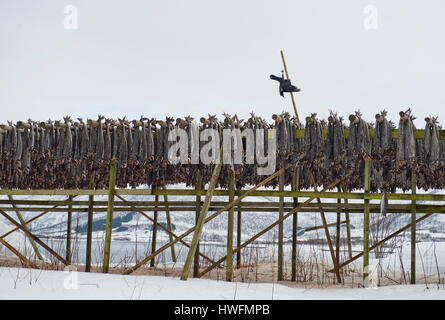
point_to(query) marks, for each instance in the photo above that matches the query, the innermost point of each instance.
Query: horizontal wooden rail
(257, 193)
(353, 208)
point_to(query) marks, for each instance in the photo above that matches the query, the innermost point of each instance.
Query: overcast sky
(177, 58)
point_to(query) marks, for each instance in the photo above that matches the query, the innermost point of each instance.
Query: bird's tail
(273, 77)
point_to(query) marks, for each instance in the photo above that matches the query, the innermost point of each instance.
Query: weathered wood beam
(214, 215)
(22, 222)
(270, 227)
(35, 238)
(201, 218)
(111, 193)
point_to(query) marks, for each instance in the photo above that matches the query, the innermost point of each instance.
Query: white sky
(175, 58)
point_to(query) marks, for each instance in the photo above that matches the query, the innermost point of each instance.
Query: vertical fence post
(155, 230)
(295, 187)
(348, 225)
(68, 231)
(413, 227)
(230, 227)
(338, 230)
(202, 215)
(280, 228)
(89, 227)
(169, 225)
(366, 223)
(238, 233)
(198, 209)
(110, 209)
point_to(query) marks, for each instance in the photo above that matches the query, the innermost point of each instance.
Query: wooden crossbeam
(35, 238)
(214, 215)
(243, 245)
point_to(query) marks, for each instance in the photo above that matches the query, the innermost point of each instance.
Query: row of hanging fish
(70, 154)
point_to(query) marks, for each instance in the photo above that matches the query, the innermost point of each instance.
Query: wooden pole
(165, 229)
(29, 221)
(338, 231)
(22, 222)
(154, 233)
(379, 243)
(198, 210)
(326, 230)
(280, 229)
(348, 226)
(169, 225)
(238, 234)
(366, 223)
(89, 227)
(270, 227)
(35, 238)
(111, 192)
(295, 187)
(202, 215)
(68, 231)
(230, 227)
(413, 227)
(25, 260)
(211, 217)
(291, 94)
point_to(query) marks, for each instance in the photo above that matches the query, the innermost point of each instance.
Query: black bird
(285, 84)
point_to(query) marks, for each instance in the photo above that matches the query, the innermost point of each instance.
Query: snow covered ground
(61, 285)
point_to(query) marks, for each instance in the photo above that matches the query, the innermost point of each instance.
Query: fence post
(169, 225)
(111, 192)
(68, 231)
(348, 225)
(280, 228)
(295, 187)
(230, 227)
(338, 230)
(89, 227)
(413, 227)
(198, 209)
(238, 233)
(366, 188)
(155, 230)
(202, 215)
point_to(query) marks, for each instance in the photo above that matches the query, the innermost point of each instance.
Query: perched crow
(285, 85)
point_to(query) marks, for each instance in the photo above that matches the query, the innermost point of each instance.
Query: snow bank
(18, 283)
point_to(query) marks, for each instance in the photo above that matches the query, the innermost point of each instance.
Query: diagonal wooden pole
(212, 216)
(18, 254)
(29, 221)
(377, 244)
(202, 215)
(22, 222)
(326, 230)
(165, 229)
(35, 238)
(291, 94)
(293, 211)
